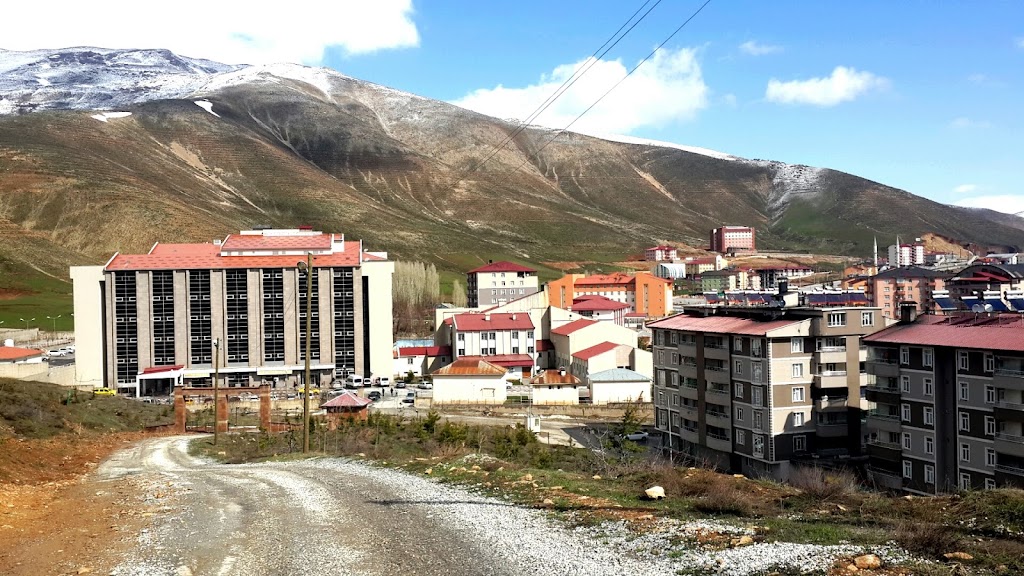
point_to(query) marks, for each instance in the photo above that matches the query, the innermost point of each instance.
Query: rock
(738, 476)
(428, 471)
(868, 562)
(596, 476)
(222, 453)
(958, 556)
(85, 570)
(361, 455)
(744, 541)
(852, 568)
(655, 492)
(475, 467)
(548, 502)
(183, 571)
(842, 508)
(527, 478)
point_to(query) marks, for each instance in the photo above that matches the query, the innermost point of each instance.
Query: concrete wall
(88, 302)
(555, 396)
(469, 389)
(612, 392)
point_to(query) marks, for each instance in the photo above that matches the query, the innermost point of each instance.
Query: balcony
(689, 434)
(1008, 378)
(720, 419)
(1009, 444)
(716, 374)
(888, 367)
(831, 379)
(716, 351)
(827, 403)
(1010, 470)
(885, 479)
(719, 442)
(832, 354)
(717, 394)
(1009, 411)
(883, 422)
(832, 430)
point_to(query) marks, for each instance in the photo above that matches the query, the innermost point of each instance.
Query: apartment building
(147, 322)
(660, 253)
(750, 389)
(643, 292)
(906, 254)
(733, 239)
(889, 288)
(498, 283)
(601, 309)
(948, 403)
(993, 284)
(506, 339)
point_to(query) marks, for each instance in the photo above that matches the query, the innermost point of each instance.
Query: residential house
(906, 254)
(619, 385)
(890, 288)
(507, 339)
(499, 282)
(582, 341)
(770, 277)
(660, 254)
(469, 381)
(554, 388)
(949, 406)
(601, 309)
(984, 284)
(670, 270)
(420, 360)
(643, 292)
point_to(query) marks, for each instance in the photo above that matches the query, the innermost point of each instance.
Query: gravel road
(333, 516)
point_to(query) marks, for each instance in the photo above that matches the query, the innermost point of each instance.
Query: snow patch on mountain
(206, 105)
(320, 78)
(105, 116)
(790, 181)
(647, 142)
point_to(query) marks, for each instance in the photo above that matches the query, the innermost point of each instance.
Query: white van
(385, 381)
(354, 381)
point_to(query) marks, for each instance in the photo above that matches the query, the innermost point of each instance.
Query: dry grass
(928, 539)
(824, 485)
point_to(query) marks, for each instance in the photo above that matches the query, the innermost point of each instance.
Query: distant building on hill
(498, 283)
(660, 254)
(907, 254)
(733, 239)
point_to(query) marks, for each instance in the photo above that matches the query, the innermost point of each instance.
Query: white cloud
(226, 31)
(965, 123)
(668, 87)
(845, 84)
(965, 188)
(1008, 203)
(754, 48)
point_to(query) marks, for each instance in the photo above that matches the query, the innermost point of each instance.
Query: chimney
(561, 371)
(908, 312)
(490, 261)
(513, 316)
(487, 317)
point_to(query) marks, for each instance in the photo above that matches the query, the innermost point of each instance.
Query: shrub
(823, 484)
(927, 538)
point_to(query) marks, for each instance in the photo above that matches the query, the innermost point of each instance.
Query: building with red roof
(499, 282)
(660, 253)
(14, 354)
(949, 403)
(601, 309)
(346, 406)
(642, 292)
(733, 239)
(235, 309)
(470, 381)
(495, 337)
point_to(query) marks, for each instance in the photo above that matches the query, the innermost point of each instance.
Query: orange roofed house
(645, 293)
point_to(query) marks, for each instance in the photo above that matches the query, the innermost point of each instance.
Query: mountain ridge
(211, 148)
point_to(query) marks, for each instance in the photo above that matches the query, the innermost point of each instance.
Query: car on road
(639, 436)
(400, 384)
(425, 385)
(104, 392)
(57, 352)
(410, 398)
(375, 396)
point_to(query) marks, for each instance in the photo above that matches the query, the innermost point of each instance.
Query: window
(737, 389)
(990, 363)
(990, 394)
(904, 355)
(796, 345)
(755, 347)
(757, 396)
(798, 394)
(926, 357)
(929, 445)
(738, 368)
(798, 418)
(929, 474)
(741, 437)
(965, 422)
(739, 413)
(908, 469)
(990, 484)
(460, 337)
(867, 318)
(929, 387)
(759, 446)
(965, 452)
(905, 412)
(905, 384)
(929, 416)
(799, 443)
(990, 426)
(756, 372)
(798, 370)
(737, 344)
(837, 319)
(965, 481)
(965, 392)
(990, 457)
(758, 421)
(962, 361)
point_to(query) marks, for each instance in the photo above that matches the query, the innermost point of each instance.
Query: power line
(568, 83)
(621, 80)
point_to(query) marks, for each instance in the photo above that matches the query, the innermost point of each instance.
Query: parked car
(384, 381)
(640, 436)
(410, 398)
(375, 396)
(354, 381)
(104, 392)
(400, 384)
(425, 385)
(57, 352)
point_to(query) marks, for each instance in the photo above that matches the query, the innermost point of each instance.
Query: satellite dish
(979, 308)
(988, 307)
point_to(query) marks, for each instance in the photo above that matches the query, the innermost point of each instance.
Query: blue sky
(924, 96)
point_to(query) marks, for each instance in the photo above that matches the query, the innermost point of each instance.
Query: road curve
(334, 516)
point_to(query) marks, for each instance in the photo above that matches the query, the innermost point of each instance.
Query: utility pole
(308, 267)
(216, 387)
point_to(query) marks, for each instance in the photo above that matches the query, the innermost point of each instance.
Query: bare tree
(458, 294)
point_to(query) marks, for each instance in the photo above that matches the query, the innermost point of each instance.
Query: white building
(906, 254)
(469, 382)
(554, 388)
(619, 385)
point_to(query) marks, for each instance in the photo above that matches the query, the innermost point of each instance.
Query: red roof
(549, 377)
(1002, 333)
(603, 279)
(571, 327)
(470, 366)
(597, 304)
(347, 400)
(474, 322)
(207, 257)
(722, 324)
(502, 266)
(596, 350)
(261, 242)
(504, 360)
(13, 353)
(158, 369)
(424, 351)
(544, 345)
(636, 315)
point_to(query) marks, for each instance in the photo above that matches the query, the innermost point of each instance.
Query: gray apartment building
(752, 388)
(498, 283)
(949, 409)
